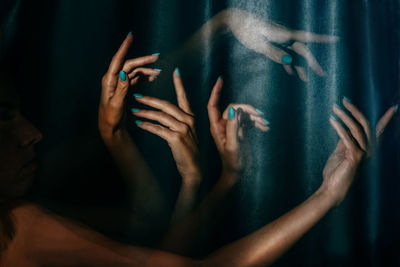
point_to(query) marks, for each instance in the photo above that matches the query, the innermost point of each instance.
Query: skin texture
(265, 37)
(45, 239)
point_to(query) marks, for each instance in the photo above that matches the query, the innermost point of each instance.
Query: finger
(214, 114)
(355, 130)
(251, 110)
(359, 117)
(118, 59)
(232, 139)
(385, 119)
(144, 72)
(301, 73)
(159, 130)
(344, 136)
(163, 118)
(276, 54)
(183, 102)
(305, 52)
(131, 64)
(167, 107)
(121, 90)
(288, 69)
(309, 37)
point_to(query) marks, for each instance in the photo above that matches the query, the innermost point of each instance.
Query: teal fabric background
(60, 50)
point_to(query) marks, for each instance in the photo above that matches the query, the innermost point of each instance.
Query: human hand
(177, 127)
(228, 129)
(270, 39)
(342, 165)
(115, 84)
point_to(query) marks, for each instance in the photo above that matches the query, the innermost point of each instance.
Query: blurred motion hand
(354, 144)
(269, 39)
(228, 129)
(177, 127)
(115, 84)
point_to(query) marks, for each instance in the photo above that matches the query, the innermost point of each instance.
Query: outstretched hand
(353, 146)
(115, 84)
(176, 126)
(228, 129)
(271, 40)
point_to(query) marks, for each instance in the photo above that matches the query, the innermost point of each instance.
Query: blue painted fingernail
(347, 99)
(129, 33)
(259, 111)
(266, 121)
(135, 109)
(396, 108)
(138, 95)
(122, 75)
(334, 118)
(336, 105)
(159, 70)
(155, 54)
(231, 113)
(178, 72)
(287, 59)
(219, 78)
(138, 122)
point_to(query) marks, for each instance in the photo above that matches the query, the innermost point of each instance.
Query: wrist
(324, 192)
(191, 180)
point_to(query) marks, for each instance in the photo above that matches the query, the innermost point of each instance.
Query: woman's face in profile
(17, 140)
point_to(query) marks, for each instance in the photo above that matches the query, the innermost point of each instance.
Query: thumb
(232, 140)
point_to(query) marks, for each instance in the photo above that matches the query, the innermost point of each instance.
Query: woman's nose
(30, 134)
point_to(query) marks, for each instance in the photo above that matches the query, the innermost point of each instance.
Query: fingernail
(287, 59)
(155, 54)
(268, 128)
(231, 113)
(259, 111)
(266, 121)
(178, 72)
(159, 70)
(334, 118)
(347, 99)
(138, 95)
(122, 75)
(336, 105)
(135, 109)
(129, 33)
(138, 122)
(219, 78)
(396, 108)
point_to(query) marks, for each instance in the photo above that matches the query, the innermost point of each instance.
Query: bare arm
(146, 197)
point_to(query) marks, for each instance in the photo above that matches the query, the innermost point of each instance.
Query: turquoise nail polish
(334, 118)
(138, 95)
(347, 99)
(266, 121)
(287, 59)
(336, 105)
(129, 33)
(259, 111)
(159, 70)
(138, 122)
(396, 108)
(231, 113)
(135, 109)
(155, 54)
(122, 75)
(219, 78)
(178, 72)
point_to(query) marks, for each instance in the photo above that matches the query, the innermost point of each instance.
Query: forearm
(186, 234)
(185, 202)
(266, 245)
(145, 194)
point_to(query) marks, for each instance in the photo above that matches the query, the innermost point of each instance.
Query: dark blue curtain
(60, 50)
